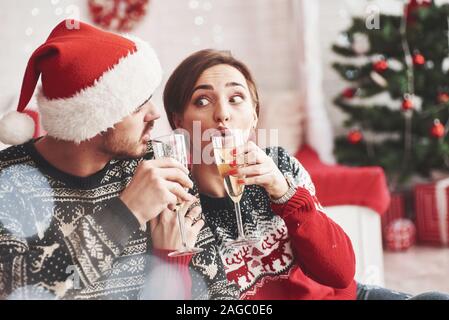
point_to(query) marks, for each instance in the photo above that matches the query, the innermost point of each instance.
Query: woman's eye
(201, 102)
(236, 99)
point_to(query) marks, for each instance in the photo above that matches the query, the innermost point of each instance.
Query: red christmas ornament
(443, 97)
(413, 6)
(380, 66)
(407, 104)
(400, 234)
(354, 136)
(349, 93)
(437, 129)
(418, 59)
(118, 15)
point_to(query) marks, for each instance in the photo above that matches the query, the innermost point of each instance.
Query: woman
(302, 254)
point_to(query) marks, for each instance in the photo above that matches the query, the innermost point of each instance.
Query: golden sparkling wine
(233, 189)
(223, 146)
(223, 159)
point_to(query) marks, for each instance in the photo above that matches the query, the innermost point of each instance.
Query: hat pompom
(16, 128)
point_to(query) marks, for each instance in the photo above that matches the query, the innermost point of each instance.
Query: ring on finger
(197, 218)
(196, 203)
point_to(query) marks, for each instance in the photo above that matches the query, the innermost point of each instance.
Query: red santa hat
(91, 79)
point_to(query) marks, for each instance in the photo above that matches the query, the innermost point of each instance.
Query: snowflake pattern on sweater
(65, 237)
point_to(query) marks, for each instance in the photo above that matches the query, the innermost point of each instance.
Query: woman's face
(221, 99)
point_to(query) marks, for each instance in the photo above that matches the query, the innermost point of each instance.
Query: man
(75, 204)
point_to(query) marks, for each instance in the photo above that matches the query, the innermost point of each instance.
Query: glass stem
(238, 215)
(181, 225)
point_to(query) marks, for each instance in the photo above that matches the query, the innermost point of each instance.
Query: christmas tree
(403, 63)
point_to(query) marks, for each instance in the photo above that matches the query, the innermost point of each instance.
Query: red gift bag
(396, 210)
(431, 210)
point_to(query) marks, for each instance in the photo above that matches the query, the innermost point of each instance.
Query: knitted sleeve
(20, 261)
(99, 238)
(33, 243)
(322, 249)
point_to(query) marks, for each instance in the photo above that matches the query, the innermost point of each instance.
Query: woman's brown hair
(179, 88)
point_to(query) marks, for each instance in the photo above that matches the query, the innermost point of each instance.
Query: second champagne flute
(174, 146)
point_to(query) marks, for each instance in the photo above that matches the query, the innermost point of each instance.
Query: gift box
(431, 212)
(395, 211)
(400, 234)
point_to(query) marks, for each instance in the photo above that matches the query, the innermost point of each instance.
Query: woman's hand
(258, 169)
(165, 230)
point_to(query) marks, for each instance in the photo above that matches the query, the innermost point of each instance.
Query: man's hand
(156, 185)
(165, 229)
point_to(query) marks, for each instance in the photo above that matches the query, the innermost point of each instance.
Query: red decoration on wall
(413, 6)
(118, 15)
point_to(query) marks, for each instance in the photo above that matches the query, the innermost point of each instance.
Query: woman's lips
(224, 130)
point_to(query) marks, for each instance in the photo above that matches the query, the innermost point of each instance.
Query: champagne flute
(174, 146)
(223, 145)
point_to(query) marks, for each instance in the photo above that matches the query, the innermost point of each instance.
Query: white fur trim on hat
(115, 95)
(16, 128)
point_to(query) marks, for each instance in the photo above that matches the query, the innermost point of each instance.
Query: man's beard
(122, 147)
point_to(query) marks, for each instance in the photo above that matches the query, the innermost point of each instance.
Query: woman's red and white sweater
(302, 253)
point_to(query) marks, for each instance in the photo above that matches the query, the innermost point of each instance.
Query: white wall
(256, 31)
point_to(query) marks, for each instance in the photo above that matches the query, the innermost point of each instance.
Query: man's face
(129, 138)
